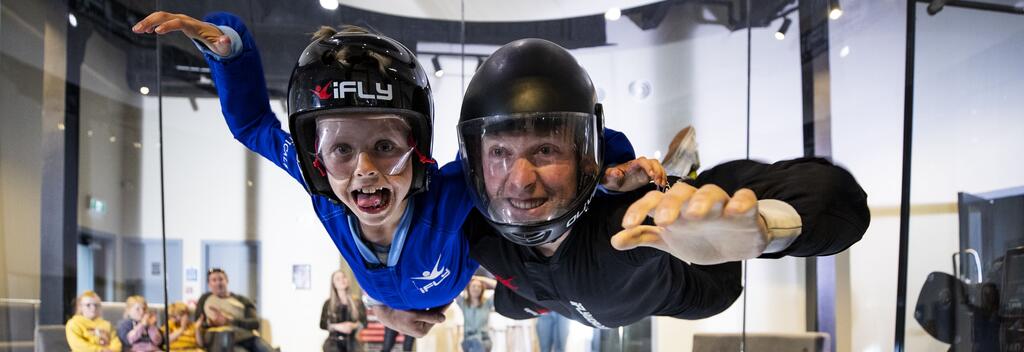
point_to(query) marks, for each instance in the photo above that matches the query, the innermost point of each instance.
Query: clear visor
(530, 168)
(350, 145)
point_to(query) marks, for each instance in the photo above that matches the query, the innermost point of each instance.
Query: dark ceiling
(282, 29)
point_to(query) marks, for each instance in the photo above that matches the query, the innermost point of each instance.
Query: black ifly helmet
(358, 73)
(531, 107)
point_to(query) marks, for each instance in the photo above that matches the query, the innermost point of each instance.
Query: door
(240, 260)
(143, 269)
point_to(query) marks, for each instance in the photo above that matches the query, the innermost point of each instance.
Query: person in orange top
(87, 331)
(183, 336)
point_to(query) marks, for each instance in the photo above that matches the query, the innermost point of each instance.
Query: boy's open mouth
(372, 200)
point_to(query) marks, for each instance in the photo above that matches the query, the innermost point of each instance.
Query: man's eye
(547, 150)
(499, 152)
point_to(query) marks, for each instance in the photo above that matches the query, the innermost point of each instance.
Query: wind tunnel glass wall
(966, 195)
(654, 76)
(77, 172)
(845, 74)
(232, 209)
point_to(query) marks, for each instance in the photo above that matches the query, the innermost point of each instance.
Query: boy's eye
(385, 146)
(342, 148)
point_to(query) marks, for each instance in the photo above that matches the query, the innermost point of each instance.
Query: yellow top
(187, 339)
(86, 335)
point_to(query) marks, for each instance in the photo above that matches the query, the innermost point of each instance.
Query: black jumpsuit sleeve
(832, 206)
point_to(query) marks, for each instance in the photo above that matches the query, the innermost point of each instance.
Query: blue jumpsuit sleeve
(617, 148)
(245, 102)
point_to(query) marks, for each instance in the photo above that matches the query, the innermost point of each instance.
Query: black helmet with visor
(531, 138)
(350, 77)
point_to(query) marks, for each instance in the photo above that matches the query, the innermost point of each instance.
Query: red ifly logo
(507, 282)
(338, 90)
(323, 92)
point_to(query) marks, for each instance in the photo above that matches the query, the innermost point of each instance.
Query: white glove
(702, 226)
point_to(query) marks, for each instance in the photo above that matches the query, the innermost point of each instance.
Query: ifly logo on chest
(338, 90)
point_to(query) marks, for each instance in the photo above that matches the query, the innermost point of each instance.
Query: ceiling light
(835, 11)
(781, 33)
(72, 20)
(438, 72)
(329, 4)
(613, 14)
(144, 90)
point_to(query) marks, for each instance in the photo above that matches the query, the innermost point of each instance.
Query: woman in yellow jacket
(87, 331)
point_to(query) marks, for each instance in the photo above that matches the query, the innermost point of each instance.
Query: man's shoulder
(245, 300)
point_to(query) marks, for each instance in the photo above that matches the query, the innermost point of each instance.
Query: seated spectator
(138, 330)
(476, 308)
(220, 311)
(343, 316)
(184, 336)
(87, 331)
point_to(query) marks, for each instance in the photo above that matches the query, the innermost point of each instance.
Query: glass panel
(867, 55)
(966, 198)
(72, 206)
(233, 210)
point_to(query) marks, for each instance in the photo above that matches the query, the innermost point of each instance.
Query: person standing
(343, 315)
(552, 331)
(476, 309)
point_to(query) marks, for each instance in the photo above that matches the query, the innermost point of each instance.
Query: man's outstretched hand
(412, 323)
(701, 226)
(161, 22)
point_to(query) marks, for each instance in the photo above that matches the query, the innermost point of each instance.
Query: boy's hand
(161, 22)
(701, 226)
(413, 323)
(634, 174)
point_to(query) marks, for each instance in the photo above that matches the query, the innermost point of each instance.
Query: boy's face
(135, 311)
(90, 307)
(529, 177)
(368, 163)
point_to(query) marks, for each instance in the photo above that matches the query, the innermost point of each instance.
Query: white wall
(206, 199)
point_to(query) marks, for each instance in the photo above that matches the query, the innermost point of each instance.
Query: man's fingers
(741, 203)
(671, 204)
(645, 235)
(638, 211)
(706, 203)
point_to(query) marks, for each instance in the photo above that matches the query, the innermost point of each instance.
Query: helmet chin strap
(423, 158)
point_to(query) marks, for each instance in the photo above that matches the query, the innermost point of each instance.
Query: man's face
(368, 162)
(529, 177)
(218, 283)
